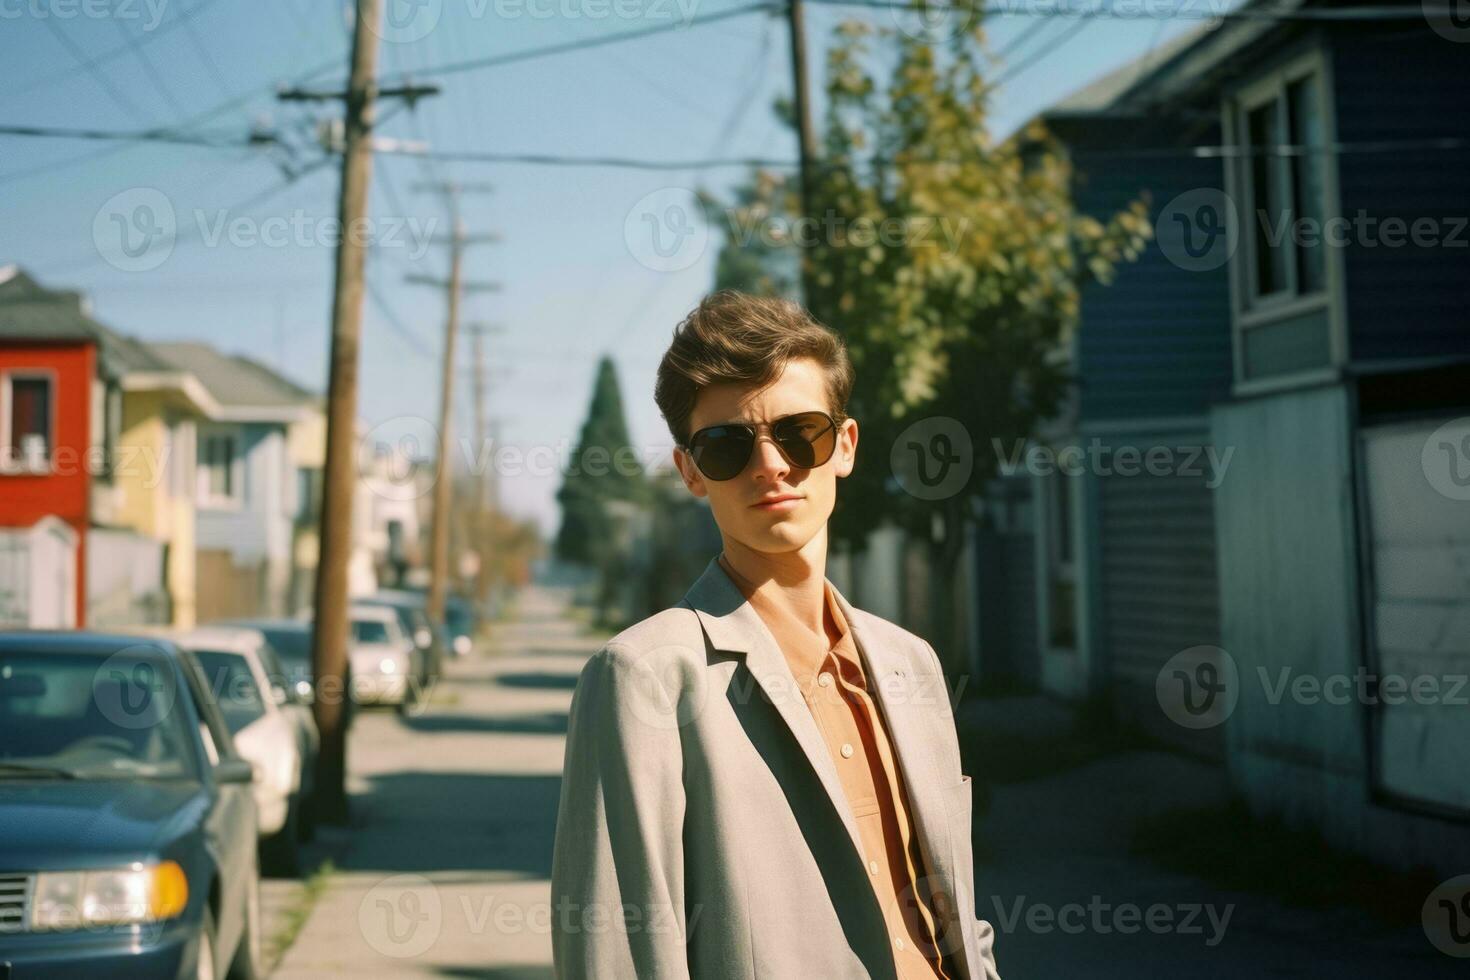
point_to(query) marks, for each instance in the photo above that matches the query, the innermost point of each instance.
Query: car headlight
(462, 645)
(388, 665)
(120, 896)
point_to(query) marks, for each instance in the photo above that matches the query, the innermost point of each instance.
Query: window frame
(11, 463)
(1310, 61)
(205, 496)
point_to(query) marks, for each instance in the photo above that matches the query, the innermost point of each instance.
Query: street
(449, 858)
(445, 869)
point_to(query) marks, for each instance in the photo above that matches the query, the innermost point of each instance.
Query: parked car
(462, 623)
(411, 608)
(288, 664)
(128, 846)
(234, 662)
(385, 659)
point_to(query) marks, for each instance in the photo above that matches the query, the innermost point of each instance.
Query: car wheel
(279, 853)
(204, 960)
(246, 963)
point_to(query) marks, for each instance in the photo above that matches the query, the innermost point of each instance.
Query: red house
(48, 372)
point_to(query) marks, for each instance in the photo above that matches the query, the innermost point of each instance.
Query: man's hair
(736, 337)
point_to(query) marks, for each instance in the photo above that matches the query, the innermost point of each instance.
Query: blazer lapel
(733, 626)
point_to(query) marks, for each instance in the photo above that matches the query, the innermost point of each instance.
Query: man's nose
(768, 458)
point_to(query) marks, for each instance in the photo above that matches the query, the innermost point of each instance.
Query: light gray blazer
(702, 830)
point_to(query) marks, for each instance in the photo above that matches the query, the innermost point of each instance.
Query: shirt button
(825, 680)
(872, 867)
(847, 750)
(898, 941)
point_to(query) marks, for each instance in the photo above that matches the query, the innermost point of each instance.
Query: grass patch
(1233, 849)
(294, 916)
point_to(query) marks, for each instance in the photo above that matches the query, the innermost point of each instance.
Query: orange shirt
(832, 681)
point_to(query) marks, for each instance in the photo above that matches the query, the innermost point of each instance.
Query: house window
(1285, 187)
(1287, 314)
(216, 469)
(29, 413)
(1061, 572)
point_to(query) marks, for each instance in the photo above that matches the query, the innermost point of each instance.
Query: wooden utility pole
(806, 136)
(483, 455)
(329, 623)
(329, 634)
(443, 484)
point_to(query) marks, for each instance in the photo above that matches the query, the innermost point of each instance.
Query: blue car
(128, 846)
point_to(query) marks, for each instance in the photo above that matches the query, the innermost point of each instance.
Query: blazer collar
(733, 626)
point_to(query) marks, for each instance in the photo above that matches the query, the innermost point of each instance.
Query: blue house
(246, 482)
(1288, 589)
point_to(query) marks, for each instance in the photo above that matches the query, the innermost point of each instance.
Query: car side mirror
(234, 770)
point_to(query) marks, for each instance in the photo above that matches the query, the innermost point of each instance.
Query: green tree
(603, 468)
(960, 309)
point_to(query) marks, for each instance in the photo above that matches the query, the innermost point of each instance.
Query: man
(763, 782)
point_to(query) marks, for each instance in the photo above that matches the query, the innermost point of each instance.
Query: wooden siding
(1405, 301)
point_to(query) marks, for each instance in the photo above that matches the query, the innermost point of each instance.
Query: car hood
(79, 823)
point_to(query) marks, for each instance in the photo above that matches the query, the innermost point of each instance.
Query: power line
(160, 135)
(155, 78)
(87, 64)
(1069, 32)
(80, 57)
(494, 61)
(1020, 8)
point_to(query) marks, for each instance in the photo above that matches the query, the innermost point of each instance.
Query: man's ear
(692, 477)
(847, 440)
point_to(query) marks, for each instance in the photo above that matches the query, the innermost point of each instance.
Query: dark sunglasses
(805, 439)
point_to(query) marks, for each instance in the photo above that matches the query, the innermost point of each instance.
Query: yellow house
(154, 469)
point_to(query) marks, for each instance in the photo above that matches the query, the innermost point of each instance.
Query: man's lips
(781, 502)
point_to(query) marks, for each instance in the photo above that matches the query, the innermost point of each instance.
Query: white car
(383, 656)
(264, 732)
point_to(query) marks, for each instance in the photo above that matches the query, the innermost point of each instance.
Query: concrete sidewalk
(446, 869)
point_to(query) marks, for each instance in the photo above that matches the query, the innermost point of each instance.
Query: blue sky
(575, 278)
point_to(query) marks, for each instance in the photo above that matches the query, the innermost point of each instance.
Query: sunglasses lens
(807, 439)
(722, 451)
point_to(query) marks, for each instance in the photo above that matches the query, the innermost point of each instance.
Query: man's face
(801, 387)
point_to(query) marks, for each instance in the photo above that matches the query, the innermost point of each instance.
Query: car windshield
(233, 687)
(87, 716)
(369, 631)
(292, 646)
